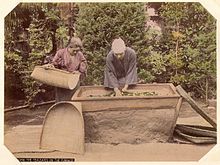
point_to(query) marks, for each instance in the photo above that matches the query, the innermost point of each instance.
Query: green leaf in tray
(111, 94)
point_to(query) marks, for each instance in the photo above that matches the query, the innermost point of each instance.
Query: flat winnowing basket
(63, 128)
(55, 77)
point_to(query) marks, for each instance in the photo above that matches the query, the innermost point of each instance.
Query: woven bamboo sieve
(55, 77)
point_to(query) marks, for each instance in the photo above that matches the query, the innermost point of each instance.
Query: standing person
(70, 59)
(120, 70)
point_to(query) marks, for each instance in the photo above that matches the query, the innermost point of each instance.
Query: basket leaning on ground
(63, 128)
(55, 77)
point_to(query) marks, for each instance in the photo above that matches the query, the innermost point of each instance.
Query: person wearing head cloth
(70, 59)
(120, 70)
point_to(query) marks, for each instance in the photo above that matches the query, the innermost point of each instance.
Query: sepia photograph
(110, 81)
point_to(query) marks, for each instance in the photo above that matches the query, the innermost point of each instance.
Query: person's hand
(76, 72)
(125, 89)
(48, 66)
(117, 92)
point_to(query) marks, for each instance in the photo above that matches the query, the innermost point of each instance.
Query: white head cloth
(118, 46)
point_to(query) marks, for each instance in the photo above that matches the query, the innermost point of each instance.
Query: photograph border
(6, 157)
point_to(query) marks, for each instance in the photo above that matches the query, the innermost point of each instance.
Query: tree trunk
(177, 46)
(53, 36)
(70, 22)
(206, 90)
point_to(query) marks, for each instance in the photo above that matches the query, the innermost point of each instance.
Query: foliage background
(184, 52)
(98, 24)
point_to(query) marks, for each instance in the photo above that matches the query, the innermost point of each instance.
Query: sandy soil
(26, 126)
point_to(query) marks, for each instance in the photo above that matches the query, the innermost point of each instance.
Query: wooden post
(206, 90)
(195, 106)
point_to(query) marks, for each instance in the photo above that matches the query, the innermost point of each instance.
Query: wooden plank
(176, 114)
(197, 130)
(126, 98)
(197, 140)
(164, 90)
(128, 104)
(27, 106)
(195, 106)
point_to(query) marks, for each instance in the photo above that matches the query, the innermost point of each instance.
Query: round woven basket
(55, 77)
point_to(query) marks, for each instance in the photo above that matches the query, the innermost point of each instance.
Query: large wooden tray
(167, 97)
(129, 119)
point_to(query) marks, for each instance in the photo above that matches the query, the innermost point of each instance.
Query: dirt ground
(26, 125)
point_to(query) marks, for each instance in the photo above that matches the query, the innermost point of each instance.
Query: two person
(120, 71)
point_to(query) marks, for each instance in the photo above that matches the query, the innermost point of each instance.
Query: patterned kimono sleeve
(57, 60)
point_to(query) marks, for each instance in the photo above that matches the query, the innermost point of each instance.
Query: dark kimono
(120, 72)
